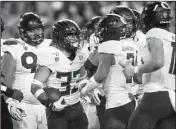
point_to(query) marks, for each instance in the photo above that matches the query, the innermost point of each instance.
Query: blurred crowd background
(80, 11)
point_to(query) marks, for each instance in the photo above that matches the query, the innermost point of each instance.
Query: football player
(61, 69)
(133, 39)
(110, 29)
(97, 105)
(158, 69)
(19, 64)
(88, 35)
(6, 122)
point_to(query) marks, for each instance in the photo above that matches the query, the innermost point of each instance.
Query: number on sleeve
(29, 61)
(172, 69)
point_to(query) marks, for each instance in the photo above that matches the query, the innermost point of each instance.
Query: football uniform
(158, 86)
(164, 77)
(94, 42)
(64, 77)
(2, 53)
(91, 66)
(25, 57)
(6, 121)
(65, 73)
(119, 105)
(141, 44)
(115, 84)
(86, 49)
(132, 51)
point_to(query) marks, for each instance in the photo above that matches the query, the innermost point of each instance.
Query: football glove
(16, 112)
(95, 96)
(59, 105)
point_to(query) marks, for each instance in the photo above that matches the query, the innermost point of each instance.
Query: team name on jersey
(127, 48)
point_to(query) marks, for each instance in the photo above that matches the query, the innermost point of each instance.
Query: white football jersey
(86, 50)
(25, 57)
(93, 42)
(2, 53)
(141, 43)
(163, 78)
(132, 51)
(65, 73)
(114, 85)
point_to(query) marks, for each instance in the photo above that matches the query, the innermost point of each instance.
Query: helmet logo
(164, 5)
(156, 6)
(57, 56)
(164, 14)
(56, 59)
(123, 20)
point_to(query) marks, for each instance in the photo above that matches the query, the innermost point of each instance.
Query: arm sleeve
(10, 46)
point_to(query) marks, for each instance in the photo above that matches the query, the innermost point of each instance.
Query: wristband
(38, 93)
(136, 69)
(92, 84)
(37, 82)
(7, 91)
(8, 100)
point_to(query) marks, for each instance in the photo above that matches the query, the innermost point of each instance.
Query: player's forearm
(150, 66)
(90, 68)
(39, 93)
(8, 67)
(42, 97)
(137, 78)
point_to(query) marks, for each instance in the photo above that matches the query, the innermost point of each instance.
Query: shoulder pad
(11, 42)
(110, 47)
(160, 34)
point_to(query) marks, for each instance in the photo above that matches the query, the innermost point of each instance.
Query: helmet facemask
(70, 42)
(31, 29)
(156, 14)
(111, 27)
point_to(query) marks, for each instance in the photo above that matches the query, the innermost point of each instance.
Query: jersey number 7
(172, 69)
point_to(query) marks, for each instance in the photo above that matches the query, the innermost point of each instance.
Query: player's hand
(18, 95)
(59, 105)
(16, 112)
(126, 62)
(82, 84)
(129, 71)
(95, 96)
(84, 101)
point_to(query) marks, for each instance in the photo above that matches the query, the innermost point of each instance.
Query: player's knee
(140, 120)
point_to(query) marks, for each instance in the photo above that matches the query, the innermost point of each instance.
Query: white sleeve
(139, 59)
(45, 59)
(10, 47)
(110, 47)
